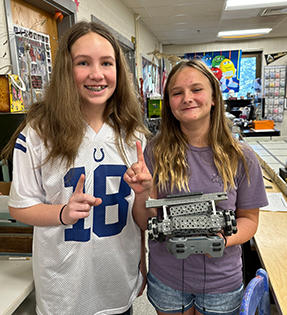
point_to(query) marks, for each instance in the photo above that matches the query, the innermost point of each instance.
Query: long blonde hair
(170, 145)
(59, 119)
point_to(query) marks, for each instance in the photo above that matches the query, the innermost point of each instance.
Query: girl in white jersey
(69, 159)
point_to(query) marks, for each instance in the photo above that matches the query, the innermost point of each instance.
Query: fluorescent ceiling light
(244, 33)
(253, 4)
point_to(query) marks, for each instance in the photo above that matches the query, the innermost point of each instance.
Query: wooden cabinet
(16, 239)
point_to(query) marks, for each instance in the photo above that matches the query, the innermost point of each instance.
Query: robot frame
(191, 224)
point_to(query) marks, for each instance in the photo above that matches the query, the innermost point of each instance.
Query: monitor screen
(232, 104)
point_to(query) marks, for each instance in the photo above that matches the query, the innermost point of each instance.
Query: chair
(256, 295)
(5, 171)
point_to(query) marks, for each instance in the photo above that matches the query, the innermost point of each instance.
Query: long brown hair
(59, 119)
(171, 144)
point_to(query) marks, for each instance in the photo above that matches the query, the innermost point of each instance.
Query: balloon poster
(224, 64)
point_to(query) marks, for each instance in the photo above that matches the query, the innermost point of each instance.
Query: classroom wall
(3, 37)
(117, 15)
(112, 12)
(267, 46)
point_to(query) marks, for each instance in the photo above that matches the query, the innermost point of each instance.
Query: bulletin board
(224, 64)
(34, 62)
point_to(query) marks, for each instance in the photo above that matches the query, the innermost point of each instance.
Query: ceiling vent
(269, 12)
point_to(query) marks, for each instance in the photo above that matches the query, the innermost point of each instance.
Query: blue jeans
(168, 300)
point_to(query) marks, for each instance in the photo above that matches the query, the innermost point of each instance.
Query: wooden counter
(271, 245)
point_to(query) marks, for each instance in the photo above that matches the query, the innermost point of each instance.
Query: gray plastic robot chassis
(190, 224)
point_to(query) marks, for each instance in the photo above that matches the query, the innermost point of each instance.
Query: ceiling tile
(193, 21)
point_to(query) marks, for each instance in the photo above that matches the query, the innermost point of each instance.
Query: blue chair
(256, 295)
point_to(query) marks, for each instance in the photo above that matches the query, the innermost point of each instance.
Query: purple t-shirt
(203, 274)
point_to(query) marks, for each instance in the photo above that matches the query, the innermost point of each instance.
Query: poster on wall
(151, 79)
(224, 64)
(34, 62)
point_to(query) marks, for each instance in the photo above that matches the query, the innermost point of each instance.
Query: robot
(191, 224)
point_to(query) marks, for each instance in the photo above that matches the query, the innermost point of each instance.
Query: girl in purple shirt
(195, 151)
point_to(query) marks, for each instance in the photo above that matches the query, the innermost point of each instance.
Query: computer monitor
(237, 103)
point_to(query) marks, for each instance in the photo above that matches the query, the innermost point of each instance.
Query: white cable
(7, 66)
(22, 87)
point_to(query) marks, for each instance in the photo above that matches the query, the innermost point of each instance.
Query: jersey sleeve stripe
(22, 137)
(20, 147)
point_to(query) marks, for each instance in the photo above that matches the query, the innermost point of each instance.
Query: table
(17, 283)
(16, 276)
(270, 241)
(261, 133)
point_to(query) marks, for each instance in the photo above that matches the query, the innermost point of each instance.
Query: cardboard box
(4, 94)
(11, 93)
(263, 124)
(16, 238)
(5, 188)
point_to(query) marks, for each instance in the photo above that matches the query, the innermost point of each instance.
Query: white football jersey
(91, 267)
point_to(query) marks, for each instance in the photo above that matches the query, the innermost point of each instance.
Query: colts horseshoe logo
(102, 157)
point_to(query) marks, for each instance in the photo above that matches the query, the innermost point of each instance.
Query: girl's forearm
(247, 227)
(38, 215)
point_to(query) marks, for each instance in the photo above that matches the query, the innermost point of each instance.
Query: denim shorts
(168, 300)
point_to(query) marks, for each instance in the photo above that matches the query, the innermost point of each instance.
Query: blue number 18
(78, 233)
